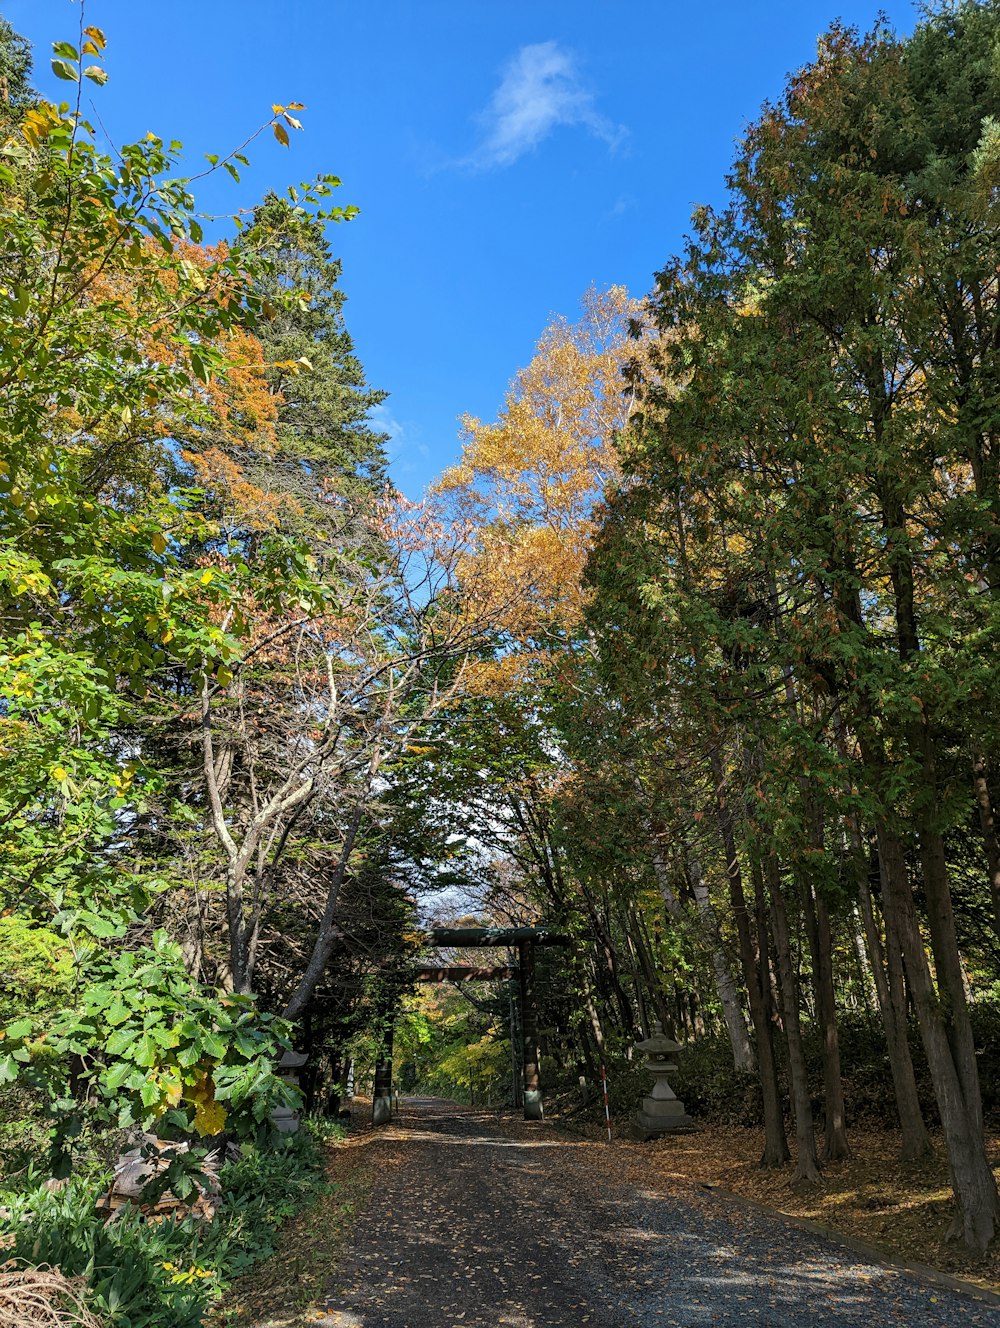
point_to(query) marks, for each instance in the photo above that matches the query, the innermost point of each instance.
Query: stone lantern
(284, 1119)
(661, 1112)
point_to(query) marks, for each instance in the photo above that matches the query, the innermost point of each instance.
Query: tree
(111, 334)
(130, 368)
(326, 442)
(795, 535)
(525, 487)
(16, 92)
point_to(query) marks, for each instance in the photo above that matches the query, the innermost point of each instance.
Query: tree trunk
(647, 964)
(987, 825)
(754, 962)
(951, 978)
(637, 985)
(890, 991)
(607, 972)
(835, 1142)
(593, 1018)
(326, 934)
(866, 979)
(891, 994)
(972, 1177)
(974, 1185)
(806, 1166)
(945, 1013)
(744, 1060)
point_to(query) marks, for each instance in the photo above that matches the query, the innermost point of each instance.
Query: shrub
(710, 1087)
(36, 976)
(36, 968)
(712, 1090)
(144, 1044)
(144, 1275)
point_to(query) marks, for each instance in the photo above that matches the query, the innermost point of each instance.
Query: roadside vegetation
(690, 657)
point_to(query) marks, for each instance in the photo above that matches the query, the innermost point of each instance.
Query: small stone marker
(661, 1112)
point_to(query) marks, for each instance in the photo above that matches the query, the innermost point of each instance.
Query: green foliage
(710, 1088)
(325, 441)
(16, 93)
(455, 1044)
(119, 335)
(261, 1190)
(166, 1275)
(81, 563)
(711, 1091)
(36, 968)
(184, 450)
(144, 1045)
(476, 1071)
(124, 1262)
(36, 977)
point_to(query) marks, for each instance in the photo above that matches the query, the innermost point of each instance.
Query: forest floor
(460, 1219)
(902, 1208)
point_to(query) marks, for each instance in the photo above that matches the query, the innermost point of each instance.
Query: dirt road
(478, 1223)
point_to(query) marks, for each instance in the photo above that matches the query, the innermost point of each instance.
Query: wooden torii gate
(524, 940)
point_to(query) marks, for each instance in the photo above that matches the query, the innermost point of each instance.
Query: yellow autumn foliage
(209, 1115)
(527, 485)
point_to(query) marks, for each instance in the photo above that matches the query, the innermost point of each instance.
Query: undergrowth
(714, 1093)
(167, 1274)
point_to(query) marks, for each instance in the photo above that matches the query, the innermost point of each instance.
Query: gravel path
(476, 1223)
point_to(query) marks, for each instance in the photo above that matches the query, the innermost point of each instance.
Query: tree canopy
(691, 656)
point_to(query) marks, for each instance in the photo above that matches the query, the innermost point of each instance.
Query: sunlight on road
(429, 1137)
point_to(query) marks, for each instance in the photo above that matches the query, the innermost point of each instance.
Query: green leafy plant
(145, 1045)
(166, 1275)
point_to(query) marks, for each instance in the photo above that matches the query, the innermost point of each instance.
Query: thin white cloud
(403, 439)
(384, 420)
(624, 203)
(539, 91)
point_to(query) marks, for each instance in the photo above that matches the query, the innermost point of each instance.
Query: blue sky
(505, 155)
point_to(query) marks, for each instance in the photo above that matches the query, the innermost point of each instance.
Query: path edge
(921, 1272)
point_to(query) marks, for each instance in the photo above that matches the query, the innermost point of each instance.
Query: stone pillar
(516, 1042)
(529, 1031)
(382, 1092)
(661, 1112)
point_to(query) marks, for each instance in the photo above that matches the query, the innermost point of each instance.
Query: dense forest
(691, 656)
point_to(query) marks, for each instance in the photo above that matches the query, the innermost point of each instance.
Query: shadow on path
(476, 1222)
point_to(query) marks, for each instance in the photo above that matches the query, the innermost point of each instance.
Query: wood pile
(139, 1166)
